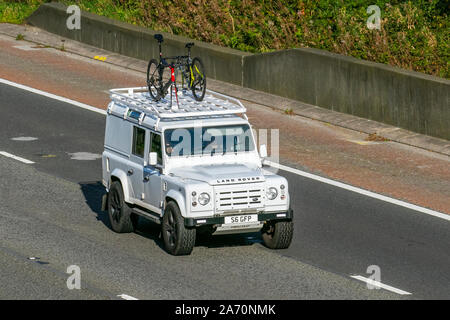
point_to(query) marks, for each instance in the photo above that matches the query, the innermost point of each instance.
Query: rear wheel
(120, 216)
(178, 240)
(278, 234)
(154, 79)
(198, 79)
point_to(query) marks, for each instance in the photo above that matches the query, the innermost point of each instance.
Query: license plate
(241, 219)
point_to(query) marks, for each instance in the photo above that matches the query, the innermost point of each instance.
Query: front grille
(239, 197)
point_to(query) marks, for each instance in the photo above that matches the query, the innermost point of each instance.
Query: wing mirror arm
(151, 168)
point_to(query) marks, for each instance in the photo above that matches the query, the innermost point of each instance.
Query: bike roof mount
(213, 104)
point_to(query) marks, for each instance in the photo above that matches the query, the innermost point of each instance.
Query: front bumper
(196, 222)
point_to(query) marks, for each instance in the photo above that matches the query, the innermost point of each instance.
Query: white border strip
(9, 155)
(360, 191)
(272, 164)
(380, 285)
(53, 96)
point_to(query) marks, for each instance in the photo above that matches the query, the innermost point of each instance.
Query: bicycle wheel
(154, 79)
(198, 79)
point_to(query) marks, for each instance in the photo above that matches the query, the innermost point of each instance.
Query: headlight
(203, 198)
(272, 193)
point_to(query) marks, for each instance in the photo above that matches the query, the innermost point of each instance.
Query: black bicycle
(192, 74)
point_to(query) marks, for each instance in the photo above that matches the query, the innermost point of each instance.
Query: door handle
(130, 172)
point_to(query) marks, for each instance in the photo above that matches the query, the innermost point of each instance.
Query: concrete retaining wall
(220, 63)
(406, 99)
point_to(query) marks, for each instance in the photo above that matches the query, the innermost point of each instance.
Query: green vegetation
(15, 11)
(414, 35)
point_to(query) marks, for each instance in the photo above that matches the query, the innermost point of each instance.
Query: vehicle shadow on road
(93, 192)
(149, 230)
(229, 240)
(152, 231)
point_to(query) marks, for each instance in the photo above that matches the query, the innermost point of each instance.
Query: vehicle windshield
(211, 141)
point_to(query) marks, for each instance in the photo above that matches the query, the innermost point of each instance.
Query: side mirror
(263, 151)
(153, 158)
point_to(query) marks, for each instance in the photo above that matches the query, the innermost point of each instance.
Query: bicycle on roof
(191, 69)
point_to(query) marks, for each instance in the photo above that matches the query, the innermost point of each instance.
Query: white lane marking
(275, 165)
(24, 139)
(360, 191)
(53, 96)
(381, 285)
(127, 297)
(9, 155)
(84, 156)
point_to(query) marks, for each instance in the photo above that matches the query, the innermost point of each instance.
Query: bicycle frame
(183, 63)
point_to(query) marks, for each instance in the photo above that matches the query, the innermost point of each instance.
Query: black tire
(278, 234)
(154, 79)
(178, 240)
(198, 84)
(120, 216)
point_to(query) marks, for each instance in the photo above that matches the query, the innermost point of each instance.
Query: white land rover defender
(189, 166)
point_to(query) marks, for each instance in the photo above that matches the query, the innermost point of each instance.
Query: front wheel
(198, 79)
(178, 240)
(120, 216)
(278, 234)
(154, 79)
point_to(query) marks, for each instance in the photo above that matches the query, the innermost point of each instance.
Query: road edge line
(9, 155)
(380, 285)
(360, 191)
(53, 96)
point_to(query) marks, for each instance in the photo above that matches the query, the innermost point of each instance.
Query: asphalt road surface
(50, 210)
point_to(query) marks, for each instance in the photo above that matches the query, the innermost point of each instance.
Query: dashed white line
(53, 96)
(26, 139)
(9, 155)
(360, 191)
(380, 285)
(127, 297)
(272, 164)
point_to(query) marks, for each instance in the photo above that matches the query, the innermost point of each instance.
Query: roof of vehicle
(136, 105)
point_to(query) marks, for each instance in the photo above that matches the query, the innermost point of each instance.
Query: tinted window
(208, 140)
(156, 146)
(138, 141)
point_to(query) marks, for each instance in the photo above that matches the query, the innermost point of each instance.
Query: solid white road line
(360, 191)
(9, 155)
(127, 297)
(272, 164)
(52, 96)
(381, 285)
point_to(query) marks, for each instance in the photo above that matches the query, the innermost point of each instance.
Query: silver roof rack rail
(213, 104)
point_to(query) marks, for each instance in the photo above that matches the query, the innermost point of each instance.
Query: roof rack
(213, 103)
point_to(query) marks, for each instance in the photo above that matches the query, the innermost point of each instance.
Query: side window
(138, 141)
(156, 146)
